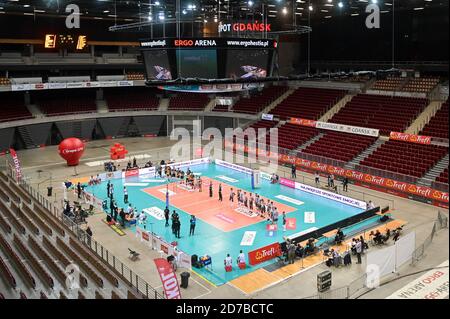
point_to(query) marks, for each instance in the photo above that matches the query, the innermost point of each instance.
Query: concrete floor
(44, 166)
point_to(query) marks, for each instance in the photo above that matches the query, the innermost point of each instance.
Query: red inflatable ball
(71, 149)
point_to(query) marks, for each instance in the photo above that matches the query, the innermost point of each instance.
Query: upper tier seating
(405, 158)
(263, 124)
(340, 146)
(438, 125)
(66, 102)
(135, 98)
(257, 102)
(388, 84)
(188, 101)
(12, 107)
(381, 112)
(420, 85)
(443, 178)
(308, 103)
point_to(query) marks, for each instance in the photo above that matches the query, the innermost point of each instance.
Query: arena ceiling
(298, 11)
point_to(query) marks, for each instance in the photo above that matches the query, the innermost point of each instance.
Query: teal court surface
(220, 230)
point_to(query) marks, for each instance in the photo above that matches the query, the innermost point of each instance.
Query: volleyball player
(220, 192)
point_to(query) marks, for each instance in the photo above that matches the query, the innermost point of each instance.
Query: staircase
(163, 104)
(26, 136)
(424, 117)
(102, 107)
(309, 142)
(336, 108)
(269, 107)
(123, 130)
(366, 153)
(434, 172)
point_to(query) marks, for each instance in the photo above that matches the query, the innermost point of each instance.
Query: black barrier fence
(340, 224)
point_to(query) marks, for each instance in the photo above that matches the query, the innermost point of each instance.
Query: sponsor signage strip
(168, 278)
(411, 138)
(209, 43)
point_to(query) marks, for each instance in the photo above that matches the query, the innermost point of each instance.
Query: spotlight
(311, 8)
(340, 4)
(374, 1)
(184, 11)
(157, 3)
(250, 3)
(284, 10)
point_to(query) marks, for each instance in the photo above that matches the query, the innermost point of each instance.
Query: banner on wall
(168, 278)
(396, 187)
(336, 127)
(412, 138)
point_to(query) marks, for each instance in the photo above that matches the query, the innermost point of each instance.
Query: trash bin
(49, 191)
(185, 279)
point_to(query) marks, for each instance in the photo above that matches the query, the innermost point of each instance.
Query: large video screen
(247, 64)
(193, 63)
(157, 65)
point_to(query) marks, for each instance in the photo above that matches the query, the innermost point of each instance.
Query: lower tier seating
(340, 146)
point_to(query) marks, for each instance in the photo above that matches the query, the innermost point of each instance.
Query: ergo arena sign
(258, 27)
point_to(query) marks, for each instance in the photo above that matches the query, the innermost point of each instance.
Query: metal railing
(138, 284)
(440, 223)
(359, 286)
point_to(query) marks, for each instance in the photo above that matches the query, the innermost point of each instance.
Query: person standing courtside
(210, 189)
(79, 190)
(166, 216)
(293, 171)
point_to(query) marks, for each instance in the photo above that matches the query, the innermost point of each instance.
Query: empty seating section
(135, 76)
(188, 101)
(67, 102)
(420, 85)
(340, 146)
(291, 136)
(438, 125)
(12, 107)
(220, 108)
(405, 158)
(381, 112)
(443, 178)
(388, 84)
(257, 102)
(263, 124)
(308, 103)
(135, 98)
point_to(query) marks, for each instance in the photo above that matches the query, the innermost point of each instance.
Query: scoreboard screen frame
(222, 46)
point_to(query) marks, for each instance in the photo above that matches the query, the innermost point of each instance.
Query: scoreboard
(208, 58)
(64, 41)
